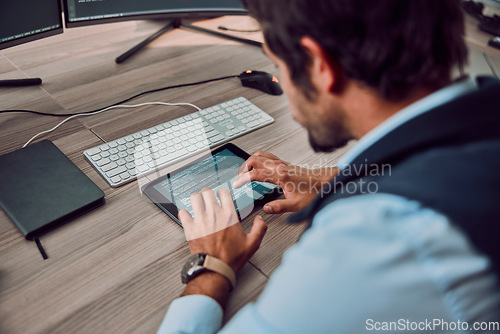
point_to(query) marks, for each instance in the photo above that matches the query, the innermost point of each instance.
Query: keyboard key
(103, 162)
(109, 166)
(125, 175)
(93, 151)
(253, 124)
(142, 168)
(96, 157)
(212, 133)
(116, 179)
(216, 138)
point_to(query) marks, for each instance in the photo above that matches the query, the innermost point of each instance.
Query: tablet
(171, 192)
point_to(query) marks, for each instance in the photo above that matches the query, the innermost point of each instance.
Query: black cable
(236, 30)
(492, 68)
(126, 100)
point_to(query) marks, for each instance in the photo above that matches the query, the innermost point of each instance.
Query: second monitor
(87, 12)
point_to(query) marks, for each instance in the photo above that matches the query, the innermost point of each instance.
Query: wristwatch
(201, 262)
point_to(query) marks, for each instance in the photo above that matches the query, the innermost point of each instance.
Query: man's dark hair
(392, 46)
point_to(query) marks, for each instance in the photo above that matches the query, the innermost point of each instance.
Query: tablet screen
(218, 171)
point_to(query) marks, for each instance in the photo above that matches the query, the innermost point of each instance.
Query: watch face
(193, 267)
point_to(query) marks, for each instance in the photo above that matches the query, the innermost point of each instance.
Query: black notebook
(41, 188)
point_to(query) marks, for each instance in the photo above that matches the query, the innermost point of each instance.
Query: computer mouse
(262, 81)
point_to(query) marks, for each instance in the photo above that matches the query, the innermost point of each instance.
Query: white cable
(106, 109)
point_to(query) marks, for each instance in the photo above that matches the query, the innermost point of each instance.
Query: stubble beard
(337, 138)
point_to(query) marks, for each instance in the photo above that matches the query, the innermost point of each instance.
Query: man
(404, 237)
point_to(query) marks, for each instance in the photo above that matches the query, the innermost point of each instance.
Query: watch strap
(218, 266)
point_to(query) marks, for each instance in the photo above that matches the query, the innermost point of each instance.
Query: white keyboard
(125, 159)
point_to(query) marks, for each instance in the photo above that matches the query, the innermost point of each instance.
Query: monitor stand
(21, 82)
(176, 24)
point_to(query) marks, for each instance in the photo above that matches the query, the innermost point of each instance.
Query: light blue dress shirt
(375, 263)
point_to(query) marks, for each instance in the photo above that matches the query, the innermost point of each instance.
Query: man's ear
(325, 73)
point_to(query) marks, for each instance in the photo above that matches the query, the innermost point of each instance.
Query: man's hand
(215, 230)
(300, 185)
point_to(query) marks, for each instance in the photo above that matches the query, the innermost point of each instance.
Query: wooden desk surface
(116, 269)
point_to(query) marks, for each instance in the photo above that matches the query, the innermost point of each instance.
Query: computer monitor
(23, 21)
(86, 12)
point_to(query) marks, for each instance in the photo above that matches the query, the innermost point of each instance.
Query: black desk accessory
(262, 81)
(495, 42)
(41, 188)
(21, 82)
(488, 24)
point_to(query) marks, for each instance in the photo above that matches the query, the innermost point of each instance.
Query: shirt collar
(415, 109)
